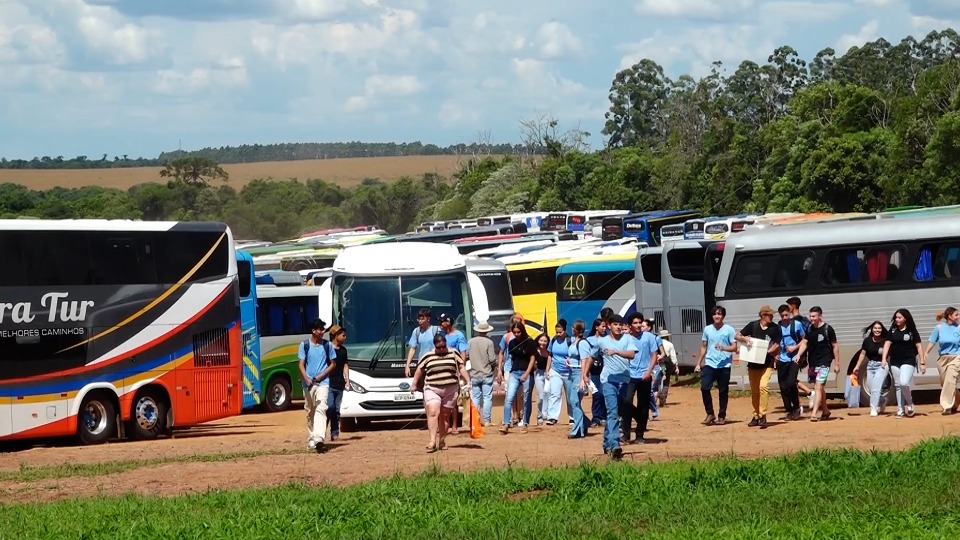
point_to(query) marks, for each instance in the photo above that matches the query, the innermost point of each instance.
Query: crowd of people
(625, 365)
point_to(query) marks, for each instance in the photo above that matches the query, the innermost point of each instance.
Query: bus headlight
(354, 387)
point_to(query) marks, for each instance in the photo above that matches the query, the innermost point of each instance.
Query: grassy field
(345, 172)
(833, 494)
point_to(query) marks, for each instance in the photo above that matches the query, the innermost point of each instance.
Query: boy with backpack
(315, 354)
(794, 303)
(788, 362)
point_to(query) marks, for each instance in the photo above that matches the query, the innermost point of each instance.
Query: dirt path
(386, 450)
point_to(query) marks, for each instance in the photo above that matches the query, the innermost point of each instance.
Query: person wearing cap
(481, 365)
(314, 355)
(618, 349)
(763, 328)
(339, 379)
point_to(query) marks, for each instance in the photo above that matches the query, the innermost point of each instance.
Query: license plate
(404, 397)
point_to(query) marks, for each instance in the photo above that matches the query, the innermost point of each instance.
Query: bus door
(251, 336)
(683, 303)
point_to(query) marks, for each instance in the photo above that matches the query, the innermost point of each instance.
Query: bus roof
(478, 264)
(108, 225)
(605, 263)
(839, 233)
(398, 258)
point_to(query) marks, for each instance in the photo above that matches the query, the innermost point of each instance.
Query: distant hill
(259, 153)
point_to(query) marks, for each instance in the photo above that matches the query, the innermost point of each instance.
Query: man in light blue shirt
(641, 378)
(716, 350)
(315, 356)
(421, 340)
(618, 349)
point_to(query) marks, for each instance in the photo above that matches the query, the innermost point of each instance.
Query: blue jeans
(597, 408)
(876, 374)
(334, 399)
(655, 387)
(557, 384)
(613, 395)
(903, 379)
(513, 385)
(571, 385)
(482, 388)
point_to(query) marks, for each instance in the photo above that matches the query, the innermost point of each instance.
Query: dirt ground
(398, 447)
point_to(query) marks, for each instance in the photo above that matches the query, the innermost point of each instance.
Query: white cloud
(701, 47)
(383, 87)
(694, 9)
(874, 2)
(29, 44)
(867, 32)
(557, 41)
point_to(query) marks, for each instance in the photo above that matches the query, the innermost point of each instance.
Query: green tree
(194, 171)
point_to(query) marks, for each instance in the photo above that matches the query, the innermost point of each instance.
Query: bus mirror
(478, 293)
(325, 300)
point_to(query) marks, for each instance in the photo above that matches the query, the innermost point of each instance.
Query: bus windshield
(387, 327)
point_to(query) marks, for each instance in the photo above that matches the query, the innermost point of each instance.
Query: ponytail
(946, 313)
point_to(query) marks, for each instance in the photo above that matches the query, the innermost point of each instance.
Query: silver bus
(856, 271)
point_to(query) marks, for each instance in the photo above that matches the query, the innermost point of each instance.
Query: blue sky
(137, 76)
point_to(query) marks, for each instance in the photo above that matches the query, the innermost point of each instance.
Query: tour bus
(284, 315)
(648, 286)
(250, 334)
(117, 328)
(723, 227)
(496, 283)
(555, 221)
(375, 294)
(581, 222)
(645, 227)
(587, 286)
(682, 274)
(669, 233)
(488, 221)
(856, 272)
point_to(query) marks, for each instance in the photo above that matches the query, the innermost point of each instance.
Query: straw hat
(664, 333)
(482, 327)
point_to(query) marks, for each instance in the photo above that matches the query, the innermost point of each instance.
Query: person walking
(900, 352)
(521, 351)
(871, 350)
(541, 376)
(803, 360)
(481, 366)
(558, 376)
(421, 339)
(788, 362)
(946, 334)
(823, 352)
(762, 329)
(339, 379)
(598, 409)
(670, 365)
(641, 379)
(314, 355)
(618, 349)
(716, 350)
(579, 353)
(441, 370)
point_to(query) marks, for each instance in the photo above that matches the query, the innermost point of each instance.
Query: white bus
(374, 294)
(648, 284)
(856, 271)
(496, 283)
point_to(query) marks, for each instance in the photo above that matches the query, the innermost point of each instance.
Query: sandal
(431, 448)
(504, 429)
(443, 445)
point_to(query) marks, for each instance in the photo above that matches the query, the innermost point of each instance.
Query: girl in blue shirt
(947, 335)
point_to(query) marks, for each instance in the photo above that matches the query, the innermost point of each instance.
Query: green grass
(819, 494)
(28, 473)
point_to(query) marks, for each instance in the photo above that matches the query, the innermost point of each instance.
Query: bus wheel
(148, 419)
(97, 419)
(278, 395)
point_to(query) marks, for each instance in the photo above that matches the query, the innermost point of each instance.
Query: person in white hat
(671, 367)
(481, 365)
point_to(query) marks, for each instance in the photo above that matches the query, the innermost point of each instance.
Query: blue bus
(644, 226)
(248, 326)
(586, 287)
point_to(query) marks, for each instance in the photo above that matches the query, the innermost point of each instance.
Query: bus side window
(243, 275)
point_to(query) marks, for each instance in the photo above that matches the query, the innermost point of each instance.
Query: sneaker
(899, 413)
(910, 411)
(763, 422)
(311, 445)
(874, 412)
(754, 422)
(617, 453)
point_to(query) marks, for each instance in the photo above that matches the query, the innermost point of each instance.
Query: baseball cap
(445, 317)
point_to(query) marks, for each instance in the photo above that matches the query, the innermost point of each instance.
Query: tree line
(256, 153)
(878, 126)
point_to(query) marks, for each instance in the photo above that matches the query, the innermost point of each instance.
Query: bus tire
(97, 418)
(148, 416)
(278, 396)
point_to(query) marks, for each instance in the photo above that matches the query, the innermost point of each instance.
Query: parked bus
(585, 287)
(555, 221)
(670, 233)
(583, 222)
(723, 227)
(682, 273)
(107, 320)
(648, 286)
(645, 227)
(375, 294)
(857, 272)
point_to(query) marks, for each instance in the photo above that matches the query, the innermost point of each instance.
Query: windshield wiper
(382, 346)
